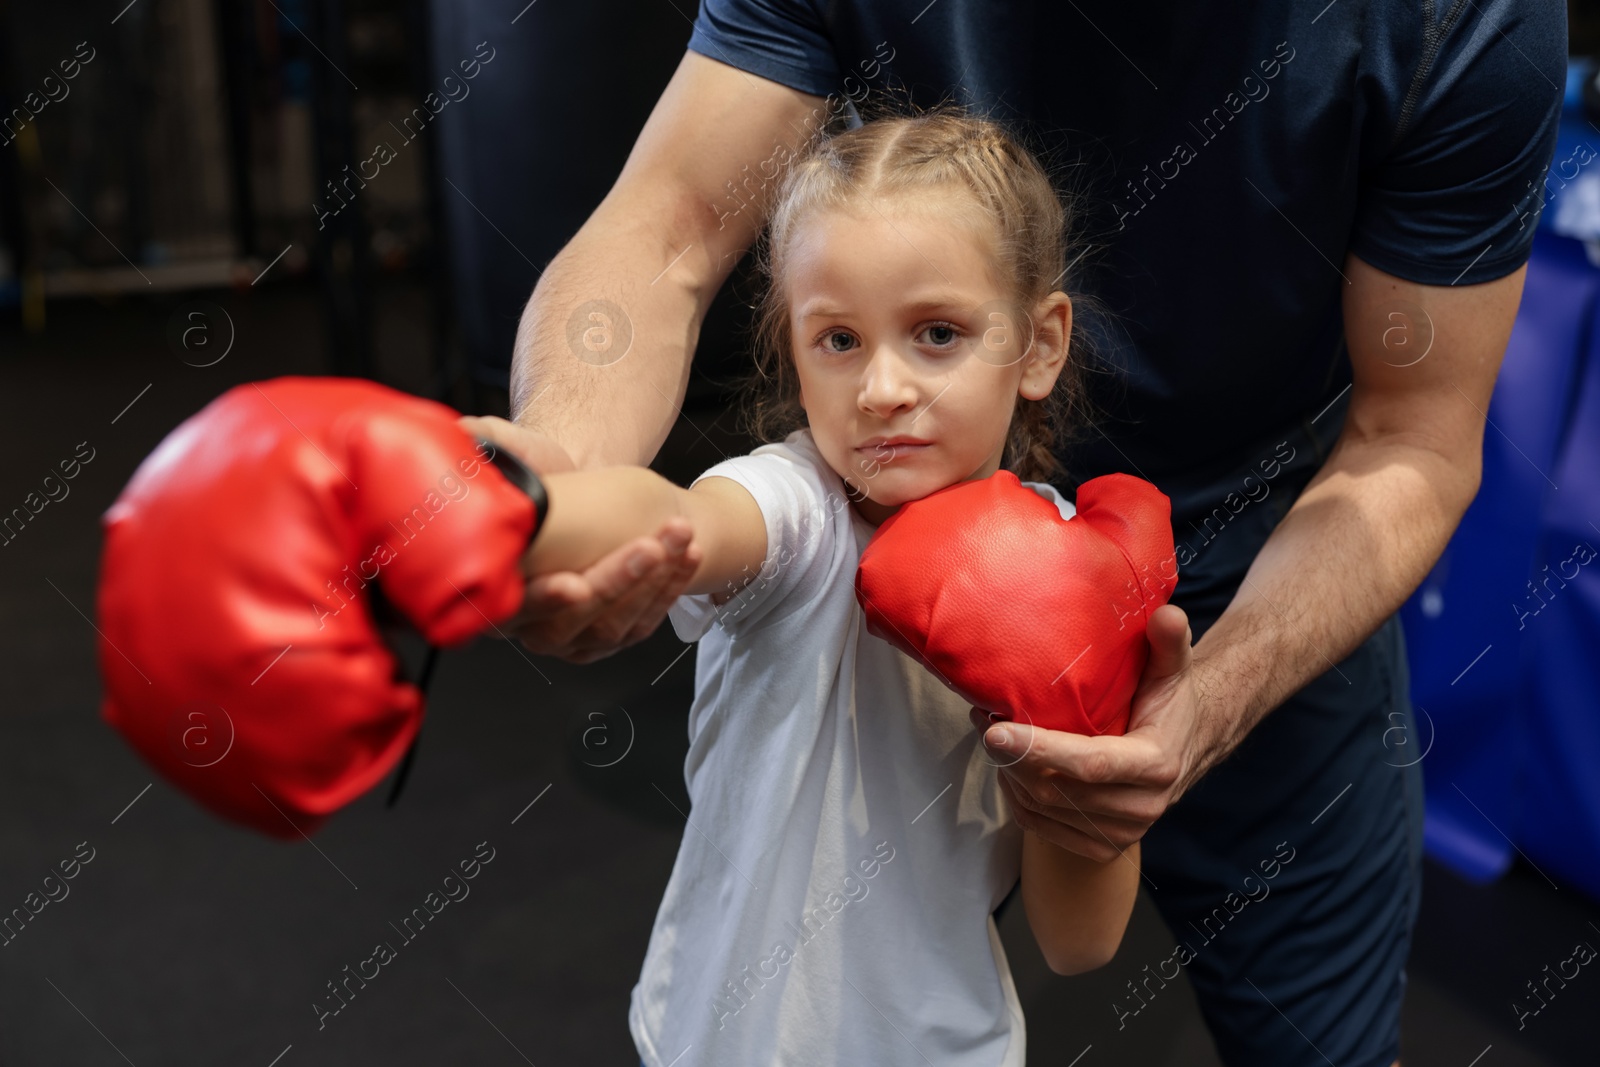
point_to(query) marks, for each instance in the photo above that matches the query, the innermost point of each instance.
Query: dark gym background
(177, 179)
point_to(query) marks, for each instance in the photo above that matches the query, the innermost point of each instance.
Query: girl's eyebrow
(955, 303)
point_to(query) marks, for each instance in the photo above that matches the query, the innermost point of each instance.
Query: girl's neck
(871, 512)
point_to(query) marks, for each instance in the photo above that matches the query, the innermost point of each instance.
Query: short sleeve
(781, 40)
(804, 532)
(1067, 508)
(1456, 200)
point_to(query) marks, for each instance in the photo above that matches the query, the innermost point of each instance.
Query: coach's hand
(585, 616)
(1097, 795)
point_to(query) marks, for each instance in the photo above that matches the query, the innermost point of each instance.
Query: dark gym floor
(187, 941)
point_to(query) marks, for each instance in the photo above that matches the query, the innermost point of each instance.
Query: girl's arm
(1078, 908)
(592, 512)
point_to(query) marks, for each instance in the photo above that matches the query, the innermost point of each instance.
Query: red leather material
(1032, 617)
(238, 646)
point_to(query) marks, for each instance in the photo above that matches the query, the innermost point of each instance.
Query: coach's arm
(600, 384)
(1358, 540)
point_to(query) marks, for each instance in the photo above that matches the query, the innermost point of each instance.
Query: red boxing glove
(1028, 616)
(238, 643)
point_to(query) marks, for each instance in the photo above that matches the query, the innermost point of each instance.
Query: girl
(833, 897)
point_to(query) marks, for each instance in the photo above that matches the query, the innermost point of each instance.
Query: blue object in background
(1558, 811)
(1572, 184)
(1464, 636)
(1502, 644)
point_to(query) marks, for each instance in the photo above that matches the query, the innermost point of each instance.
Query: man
(1312, 224)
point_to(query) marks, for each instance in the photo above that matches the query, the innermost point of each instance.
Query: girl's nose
(887, 384)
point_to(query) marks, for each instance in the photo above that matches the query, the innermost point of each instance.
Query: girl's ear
(1051, 340)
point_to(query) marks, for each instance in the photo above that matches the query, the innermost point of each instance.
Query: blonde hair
(901, 156)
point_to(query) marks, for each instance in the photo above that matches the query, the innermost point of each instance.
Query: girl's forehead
(852, 255)
(940, 204)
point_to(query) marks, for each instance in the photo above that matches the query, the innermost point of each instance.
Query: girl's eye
(940, 335)
(837, 335)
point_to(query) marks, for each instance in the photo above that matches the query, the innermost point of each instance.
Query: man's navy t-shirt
(1229, 157)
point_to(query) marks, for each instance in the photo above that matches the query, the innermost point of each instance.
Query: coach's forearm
(604, 345)
(1359, 539)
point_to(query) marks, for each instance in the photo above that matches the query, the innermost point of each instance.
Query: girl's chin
(892, 490)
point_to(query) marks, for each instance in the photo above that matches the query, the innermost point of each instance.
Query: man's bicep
(1425, 357)
(716, 144)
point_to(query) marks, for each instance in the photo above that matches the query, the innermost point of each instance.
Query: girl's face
(909, 352)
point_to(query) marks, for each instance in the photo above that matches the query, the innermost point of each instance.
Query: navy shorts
(1290, 876)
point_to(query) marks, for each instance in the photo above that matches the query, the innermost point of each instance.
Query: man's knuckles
(1165, 773)
(1143, 809)
(1043, 794)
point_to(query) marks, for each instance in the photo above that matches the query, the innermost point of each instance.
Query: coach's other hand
(1097, 795)
(589, 615)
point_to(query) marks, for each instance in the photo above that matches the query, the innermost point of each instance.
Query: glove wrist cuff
(522, 476)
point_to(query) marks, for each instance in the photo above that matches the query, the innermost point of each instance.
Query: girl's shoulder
(798, 452)
(799, 444)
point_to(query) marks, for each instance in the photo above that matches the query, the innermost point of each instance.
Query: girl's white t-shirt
(832, 900)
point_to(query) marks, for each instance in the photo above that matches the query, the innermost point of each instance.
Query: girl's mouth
(887, 453)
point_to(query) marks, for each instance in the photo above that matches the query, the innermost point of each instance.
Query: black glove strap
(519, 475)
(411, 749)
